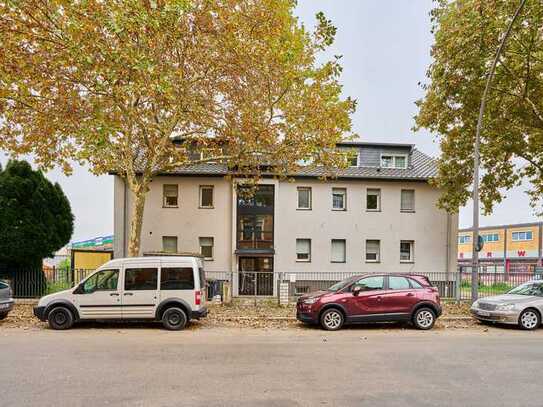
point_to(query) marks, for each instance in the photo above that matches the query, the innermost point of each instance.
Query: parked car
(6, 300)
(170, 289)
(521, 306)
(372, 298)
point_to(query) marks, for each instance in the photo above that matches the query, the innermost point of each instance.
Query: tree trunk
(136, 221)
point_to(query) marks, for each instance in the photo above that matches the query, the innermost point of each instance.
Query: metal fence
(453, 285)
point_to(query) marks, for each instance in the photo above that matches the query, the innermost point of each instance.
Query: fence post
(458, 284)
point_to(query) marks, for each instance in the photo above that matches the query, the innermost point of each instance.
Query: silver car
(521, 306)
(6, 302)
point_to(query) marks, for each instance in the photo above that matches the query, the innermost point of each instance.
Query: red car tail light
(197, 297)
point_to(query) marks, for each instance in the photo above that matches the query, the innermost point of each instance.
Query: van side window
(176, 278)
(105, 280)
(140, 279)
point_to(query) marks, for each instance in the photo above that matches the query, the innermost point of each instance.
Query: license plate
(483, 313)
(4, 306)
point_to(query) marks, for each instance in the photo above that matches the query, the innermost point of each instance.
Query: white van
(170, 289)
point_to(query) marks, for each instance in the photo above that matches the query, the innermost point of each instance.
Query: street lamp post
(476, 158)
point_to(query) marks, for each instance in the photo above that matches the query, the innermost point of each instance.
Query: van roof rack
(169, 254)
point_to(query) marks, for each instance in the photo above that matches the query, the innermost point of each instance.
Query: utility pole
(476, 159)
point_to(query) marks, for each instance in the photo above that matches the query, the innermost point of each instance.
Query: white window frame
(212, 246)
(378, 253)
(491, 237)
(164, 202)
(176, 244)
(298, 189)
(394, 157)
(411, 251)
(308, 260)
(414, 200)
(464, 239)
(344, 251)
(200, 203)
(357, 161)
(518, 234)
(377, 192)
(344, 193)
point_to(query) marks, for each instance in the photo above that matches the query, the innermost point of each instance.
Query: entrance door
(100, 296)
(140, 292)
(256, 276)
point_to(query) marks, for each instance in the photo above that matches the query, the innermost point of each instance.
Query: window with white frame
(303, 250)
(304, 198)
(206, 196)
(464, 239)
(338, 251)
(169, 244)
(353, 158)
(522, 236)
(373, 200)
(407, 203)
(206, 247)
(339, 198)
(394, 161)
(407, 251)
(170, 194)
(373, 249)
(491, 237)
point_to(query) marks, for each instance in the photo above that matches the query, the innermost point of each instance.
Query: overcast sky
(386, 50)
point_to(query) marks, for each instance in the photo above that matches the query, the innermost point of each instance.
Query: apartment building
(378, 215)
(518, 246)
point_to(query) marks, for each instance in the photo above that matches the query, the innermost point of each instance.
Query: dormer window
(353, 160)
(394, 161)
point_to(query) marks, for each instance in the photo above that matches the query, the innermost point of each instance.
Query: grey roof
(422, 168)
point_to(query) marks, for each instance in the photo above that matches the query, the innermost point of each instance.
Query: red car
(372, 298)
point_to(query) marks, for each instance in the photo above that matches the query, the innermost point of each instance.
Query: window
(170, 196)
(370, 283)
(464, 239)
(176, 278)
(140, 279)
(338, 251)
(522, 236)
(303, 249)
(373, 248)
(394, 161)
(398, 283)
(206, 247)
(373, 200)
(206, 196)
(304, 198)
(491, 237)
(339, 196)
(407, 200)
(105, 280)
(414, 284)
(406, 251)
(169, 244)
(353, 159)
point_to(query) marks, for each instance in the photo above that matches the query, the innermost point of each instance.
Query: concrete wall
(432, 230)
(427, 227)
(188, 222)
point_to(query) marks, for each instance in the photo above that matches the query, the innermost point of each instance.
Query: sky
(385, 46)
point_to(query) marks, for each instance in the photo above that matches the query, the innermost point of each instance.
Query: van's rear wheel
(3, 316)
(174, 319)
(424, 318)
(60, 318)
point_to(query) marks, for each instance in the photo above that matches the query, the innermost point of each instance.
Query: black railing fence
(454, 285)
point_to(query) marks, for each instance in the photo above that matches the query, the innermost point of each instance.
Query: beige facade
(432, 231)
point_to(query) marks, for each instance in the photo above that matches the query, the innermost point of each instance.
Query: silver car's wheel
(332, 319)
(529, 319)
(424, 318)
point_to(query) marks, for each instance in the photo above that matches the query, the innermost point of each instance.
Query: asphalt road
(292, 367)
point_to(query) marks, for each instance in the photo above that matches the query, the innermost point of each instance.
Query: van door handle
(128, 293)
(379, 298)
(114, 294)
(409, 295)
